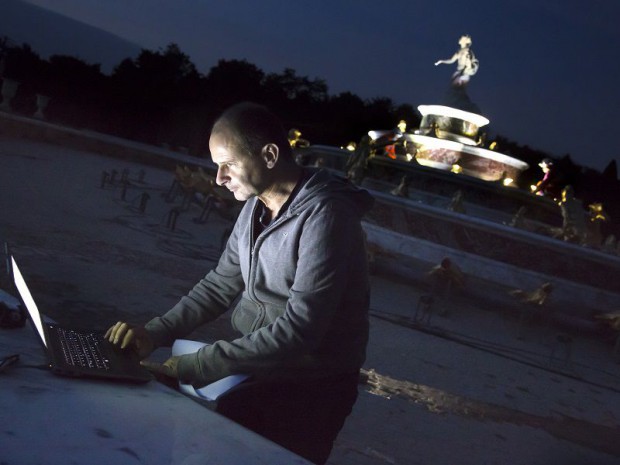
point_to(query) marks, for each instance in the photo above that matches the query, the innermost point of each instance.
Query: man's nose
(219, 177)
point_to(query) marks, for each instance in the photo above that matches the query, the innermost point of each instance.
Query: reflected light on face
(241, 173)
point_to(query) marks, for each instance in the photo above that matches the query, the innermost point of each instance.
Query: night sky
(549, 70)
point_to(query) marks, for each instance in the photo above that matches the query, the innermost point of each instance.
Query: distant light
(351, 146)
(493, 145)
(507, 181)
(374, 135)
(456, 168)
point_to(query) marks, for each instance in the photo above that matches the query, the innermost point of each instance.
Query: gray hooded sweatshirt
(303, 310)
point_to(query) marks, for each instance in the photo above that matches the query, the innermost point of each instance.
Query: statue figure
(609, 244)
(447, 273)
(294, 138)
(402, 190)
(597, 215)
(611, 319)
(466, 63)
(549, 185)
(530, 300)
(518, 220)
(457, 204)
(358, 161)
(319, 162)
(573, 217)
(445, 279)
(538, 296)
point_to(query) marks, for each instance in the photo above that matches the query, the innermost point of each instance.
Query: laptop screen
(24, 292)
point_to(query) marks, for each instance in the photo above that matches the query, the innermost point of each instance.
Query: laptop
(78, 353)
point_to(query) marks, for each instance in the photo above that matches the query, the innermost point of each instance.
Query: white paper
(210, 391)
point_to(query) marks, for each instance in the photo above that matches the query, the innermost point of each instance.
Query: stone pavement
(462, 389)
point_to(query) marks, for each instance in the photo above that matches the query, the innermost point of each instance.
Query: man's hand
(169, 368)
(134, 337)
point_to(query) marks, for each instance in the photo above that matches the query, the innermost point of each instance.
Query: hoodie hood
(323, 185)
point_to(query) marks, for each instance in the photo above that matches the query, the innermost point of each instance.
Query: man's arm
(205, 302)
(208, 299)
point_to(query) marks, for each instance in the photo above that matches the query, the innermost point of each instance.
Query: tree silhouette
(146, 90)
(232, 81)
(23, 65)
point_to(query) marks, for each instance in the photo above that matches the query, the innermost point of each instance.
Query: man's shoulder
(324, 188)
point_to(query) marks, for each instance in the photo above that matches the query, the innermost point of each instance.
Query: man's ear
(270, 154)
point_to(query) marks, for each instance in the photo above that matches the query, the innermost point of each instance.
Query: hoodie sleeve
(211, 297)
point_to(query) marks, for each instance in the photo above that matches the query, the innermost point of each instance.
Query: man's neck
(277, 195)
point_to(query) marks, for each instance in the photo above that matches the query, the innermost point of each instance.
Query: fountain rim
(441, 110)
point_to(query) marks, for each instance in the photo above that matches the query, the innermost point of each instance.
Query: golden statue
(294, 138)
(466, 63)
(573, 218)
(538, 296)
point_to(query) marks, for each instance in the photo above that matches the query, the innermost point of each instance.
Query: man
(297, 258)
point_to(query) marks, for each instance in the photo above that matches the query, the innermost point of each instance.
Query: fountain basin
(480, 163)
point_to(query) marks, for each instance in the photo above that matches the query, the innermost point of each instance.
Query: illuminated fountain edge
(454, 113)
(447, 140)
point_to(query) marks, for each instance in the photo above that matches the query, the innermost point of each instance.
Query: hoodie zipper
(254, 249)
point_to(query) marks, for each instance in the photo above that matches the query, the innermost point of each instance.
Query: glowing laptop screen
(24, 292)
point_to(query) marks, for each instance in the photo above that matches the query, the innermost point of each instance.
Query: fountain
(449, 135)
(448, 139)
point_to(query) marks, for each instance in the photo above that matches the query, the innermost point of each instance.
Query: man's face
(243, 174)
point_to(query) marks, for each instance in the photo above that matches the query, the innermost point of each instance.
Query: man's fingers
(120, 332)
(128, 338)
(117, 332)
(109, 334)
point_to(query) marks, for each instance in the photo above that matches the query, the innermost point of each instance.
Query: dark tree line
(160, 97)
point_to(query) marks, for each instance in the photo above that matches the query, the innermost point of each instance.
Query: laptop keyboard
(82, 349)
